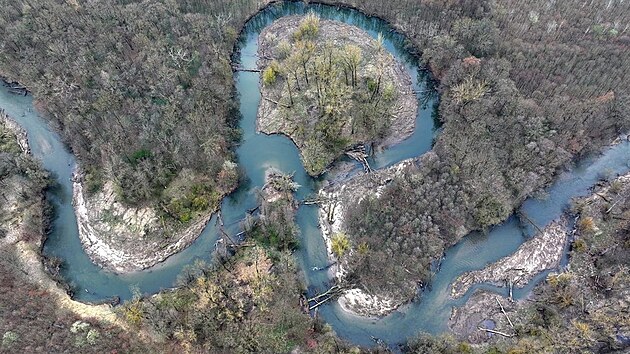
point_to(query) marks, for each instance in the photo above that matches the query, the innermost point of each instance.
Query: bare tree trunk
(290, 94)
(505, 313)
(495, 332)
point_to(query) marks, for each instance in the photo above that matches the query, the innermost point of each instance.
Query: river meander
(257, 152)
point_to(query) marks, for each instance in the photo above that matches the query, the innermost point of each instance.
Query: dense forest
(142, 91)
(526, 87)
(159, 105)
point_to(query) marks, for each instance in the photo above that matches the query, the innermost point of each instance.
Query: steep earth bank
(123, 239)
(24, 223)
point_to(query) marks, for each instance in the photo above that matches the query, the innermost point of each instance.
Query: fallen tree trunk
(334, 288)
(247, 70)
(495, 332)
(318, 304)
(276, 102)
(524, 216)
(359, 154)
(505, 313)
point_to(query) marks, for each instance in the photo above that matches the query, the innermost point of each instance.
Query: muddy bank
(272, 120)
(581, 308)
(483, 312)
(25, 235)
(31, 269)
(123, 239)
(543, 251)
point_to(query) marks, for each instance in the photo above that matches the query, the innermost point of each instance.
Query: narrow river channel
(258, 152)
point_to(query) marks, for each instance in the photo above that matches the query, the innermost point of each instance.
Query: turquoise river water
(257, 152)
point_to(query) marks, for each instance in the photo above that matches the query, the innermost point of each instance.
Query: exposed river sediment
(258, 152)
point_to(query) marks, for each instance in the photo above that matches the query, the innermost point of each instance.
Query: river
(258, 152)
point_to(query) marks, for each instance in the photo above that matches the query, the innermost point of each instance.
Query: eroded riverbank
(122, 239)
(256, 156)
(541, 252)
(581, 307)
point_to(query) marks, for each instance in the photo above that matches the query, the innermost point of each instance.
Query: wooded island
(330, 86)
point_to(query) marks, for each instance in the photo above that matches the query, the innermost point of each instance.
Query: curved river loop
(258, 152)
